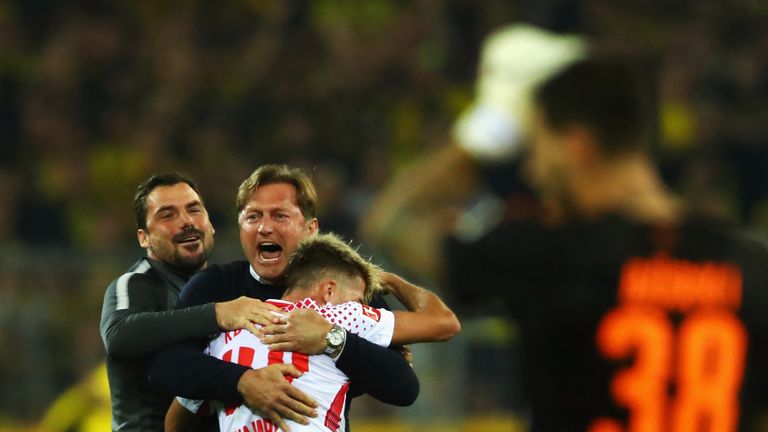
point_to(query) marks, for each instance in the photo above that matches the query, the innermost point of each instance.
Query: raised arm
(412, 215)
(428, 319)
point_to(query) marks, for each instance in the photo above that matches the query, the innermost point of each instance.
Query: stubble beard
(189, 264)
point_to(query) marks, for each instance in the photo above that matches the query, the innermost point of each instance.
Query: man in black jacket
(276, 209)
(138, 317)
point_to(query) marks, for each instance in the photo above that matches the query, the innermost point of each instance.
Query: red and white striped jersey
(321, 379)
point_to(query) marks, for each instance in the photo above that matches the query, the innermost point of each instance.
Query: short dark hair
(317, 255)
(603, 94)
(306, 195)
(146, 187)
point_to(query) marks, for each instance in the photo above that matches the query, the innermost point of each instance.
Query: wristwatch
(335, 339)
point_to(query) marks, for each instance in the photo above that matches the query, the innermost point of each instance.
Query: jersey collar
(279, 303)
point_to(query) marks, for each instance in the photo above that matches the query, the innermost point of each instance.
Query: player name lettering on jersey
(680, 285)
(228, 336)
(259, 425)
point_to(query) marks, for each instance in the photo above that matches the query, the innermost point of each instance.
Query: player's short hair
(146, 188)
(318, 255)
(602, 94)
(306, 195)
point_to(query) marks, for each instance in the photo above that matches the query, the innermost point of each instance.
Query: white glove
(514, 60)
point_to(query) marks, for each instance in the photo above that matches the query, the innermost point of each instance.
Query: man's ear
(330, 290)
(143, 237)
(313, 226)
(582, 146)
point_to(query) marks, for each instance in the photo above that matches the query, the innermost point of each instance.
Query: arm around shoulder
(428, 318)
(133, 322)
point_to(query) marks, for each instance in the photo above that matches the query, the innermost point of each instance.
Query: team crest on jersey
(371, 313)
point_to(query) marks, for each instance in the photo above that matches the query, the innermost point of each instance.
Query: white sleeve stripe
(121, 291)
(192, 405)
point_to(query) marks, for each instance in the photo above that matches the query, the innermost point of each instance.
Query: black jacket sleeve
(183, 369)
(381, 372)
(137, 324)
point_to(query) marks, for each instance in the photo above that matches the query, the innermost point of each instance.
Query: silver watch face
(335, 337)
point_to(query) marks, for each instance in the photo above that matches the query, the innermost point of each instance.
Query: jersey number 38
(701, 360)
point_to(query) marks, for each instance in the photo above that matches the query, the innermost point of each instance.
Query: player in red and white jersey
(327, 275)
(320, 379)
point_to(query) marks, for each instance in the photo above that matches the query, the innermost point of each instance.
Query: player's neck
(298, 295)
(630, 186)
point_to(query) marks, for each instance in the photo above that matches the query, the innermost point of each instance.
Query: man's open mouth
(269, 252)
(187, 238)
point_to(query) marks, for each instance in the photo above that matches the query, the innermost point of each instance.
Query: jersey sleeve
(374, 325)
(134, 321)
(381, 372)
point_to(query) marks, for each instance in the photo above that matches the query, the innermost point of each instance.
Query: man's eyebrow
(173, 207)
(267, 209)
(165, 207)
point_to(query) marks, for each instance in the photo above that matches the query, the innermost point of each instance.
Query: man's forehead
(275, 196)
(180, 194)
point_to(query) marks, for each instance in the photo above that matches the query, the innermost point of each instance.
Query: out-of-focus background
(96, 96)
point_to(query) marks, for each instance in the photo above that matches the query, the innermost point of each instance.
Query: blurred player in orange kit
(634, 314)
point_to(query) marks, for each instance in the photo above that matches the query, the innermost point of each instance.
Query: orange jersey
(630, 327)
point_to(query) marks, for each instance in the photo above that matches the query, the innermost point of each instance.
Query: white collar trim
(257, 277)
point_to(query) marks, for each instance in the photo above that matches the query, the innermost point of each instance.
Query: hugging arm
(183, 369)
(427, 319)
(381, 372)
(132, 326)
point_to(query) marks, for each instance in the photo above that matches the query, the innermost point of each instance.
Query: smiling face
(178, 232)
(271, 226)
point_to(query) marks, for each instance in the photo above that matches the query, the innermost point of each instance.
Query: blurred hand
(300, 330)
(518, 57)
(514, 60)
(268, 391)
(244, 313)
